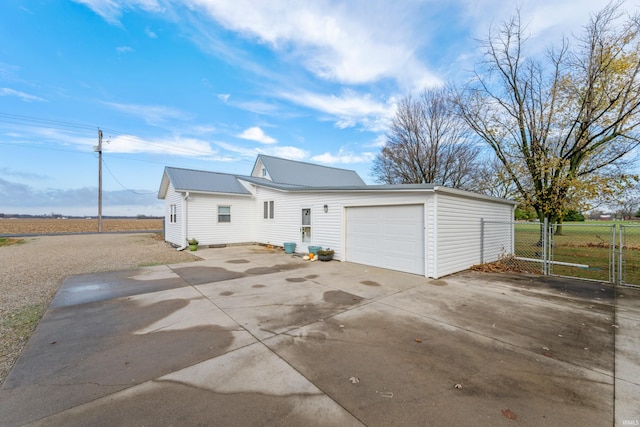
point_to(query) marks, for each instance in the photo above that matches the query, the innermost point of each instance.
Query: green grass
(7, 241)
(588, 243)
(23, 321)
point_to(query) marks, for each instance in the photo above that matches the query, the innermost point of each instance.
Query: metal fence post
(545, 230)
(481, 240)
(620, 255)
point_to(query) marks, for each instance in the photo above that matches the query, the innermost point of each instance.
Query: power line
(128, 189)
(82, 128)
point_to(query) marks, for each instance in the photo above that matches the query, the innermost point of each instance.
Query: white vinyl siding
(173, 230)
(327, 228)
(458, 230)
(203, 219)
(451, 221)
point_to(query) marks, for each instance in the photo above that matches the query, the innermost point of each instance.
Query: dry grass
(58, 226)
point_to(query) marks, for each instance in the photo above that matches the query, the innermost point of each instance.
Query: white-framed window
(268, 209)
(224, 213)
(173, 213)
(264, 172)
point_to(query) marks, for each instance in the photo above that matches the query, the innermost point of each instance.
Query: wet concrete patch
(275, 269)
(296, 279)
(258, 286)
(369, 283)
(311, 276)
(89, 288)
(438, 282)
(238, 261)
(200, 275)
(203, 408)
(94, 350)
(395, 372)
(233, 389)
(226, 293)
(341, 298)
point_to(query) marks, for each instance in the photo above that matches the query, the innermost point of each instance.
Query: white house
(423, 229)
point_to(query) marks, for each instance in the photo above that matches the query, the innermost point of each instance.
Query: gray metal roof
(303, 174)
(210, 182)
(305, 177)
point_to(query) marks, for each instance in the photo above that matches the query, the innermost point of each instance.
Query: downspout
(185, 211)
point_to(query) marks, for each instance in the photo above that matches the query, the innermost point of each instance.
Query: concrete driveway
(251, 336)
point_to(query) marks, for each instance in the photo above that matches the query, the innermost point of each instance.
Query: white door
(387, 236)
(306, 226)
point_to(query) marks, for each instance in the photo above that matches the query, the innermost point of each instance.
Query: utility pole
(98, 148)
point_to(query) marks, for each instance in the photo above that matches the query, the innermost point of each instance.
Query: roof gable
(284, 171)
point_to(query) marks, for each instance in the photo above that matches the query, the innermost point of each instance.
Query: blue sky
(210, 84)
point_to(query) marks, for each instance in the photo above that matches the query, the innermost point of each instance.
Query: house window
(264, 172)
(173, 214)
(268, 210)
(224, 213)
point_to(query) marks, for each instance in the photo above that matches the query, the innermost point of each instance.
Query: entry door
(306, 226)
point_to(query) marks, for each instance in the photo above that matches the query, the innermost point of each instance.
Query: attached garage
(422, 229)
(390, 237)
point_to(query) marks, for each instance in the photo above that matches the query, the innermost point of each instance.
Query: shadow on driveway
(251, 336)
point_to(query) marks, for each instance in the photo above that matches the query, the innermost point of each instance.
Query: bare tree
(562, 126)
(491, 178)
(628, 204)
(427, 143)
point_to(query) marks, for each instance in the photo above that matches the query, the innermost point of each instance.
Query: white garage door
(387, 236)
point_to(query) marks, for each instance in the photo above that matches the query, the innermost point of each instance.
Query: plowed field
(55, 226)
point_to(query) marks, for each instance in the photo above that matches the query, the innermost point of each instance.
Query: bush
(573, 215)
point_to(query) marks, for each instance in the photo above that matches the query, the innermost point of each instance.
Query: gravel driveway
(32, 272)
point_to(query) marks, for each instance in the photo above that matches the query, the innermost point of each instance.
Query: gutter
(185, 211)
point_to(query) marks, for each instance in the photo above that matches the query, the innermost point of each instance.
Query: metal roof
(209, 182)
(303, 174)
(384, 188)
(304, 177)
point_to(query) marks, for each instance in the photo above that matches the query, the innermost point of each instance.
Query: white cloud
(177, 146)
(344, 158)
(5, 91)
(348, 109)
(152, 114)
(257, 134)
(124, 49)
(150, 34)
(224, 96)
(111, 10)
(547, 21)
(293, 153)
(288, 152)
(350, 42)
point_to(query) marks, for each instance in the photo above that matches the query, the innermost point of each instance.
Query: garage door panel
(387, 236)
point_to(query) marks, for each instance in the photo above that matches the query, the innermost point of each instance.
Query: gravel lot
(32, 272)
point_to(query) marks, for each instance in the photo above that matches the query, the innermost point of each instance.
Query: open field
(75, 225)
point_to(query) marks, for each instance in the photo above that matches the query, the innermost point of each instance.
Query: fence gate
(604, 252)
(583, 251)
(629, 255)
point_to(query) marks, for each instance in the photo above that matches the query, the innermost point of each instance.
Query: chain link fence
(604, 252)
(629, 255)
(513, 246)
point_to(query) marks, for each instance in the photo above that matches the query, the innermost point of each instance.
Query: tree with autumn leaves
(564, 127)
